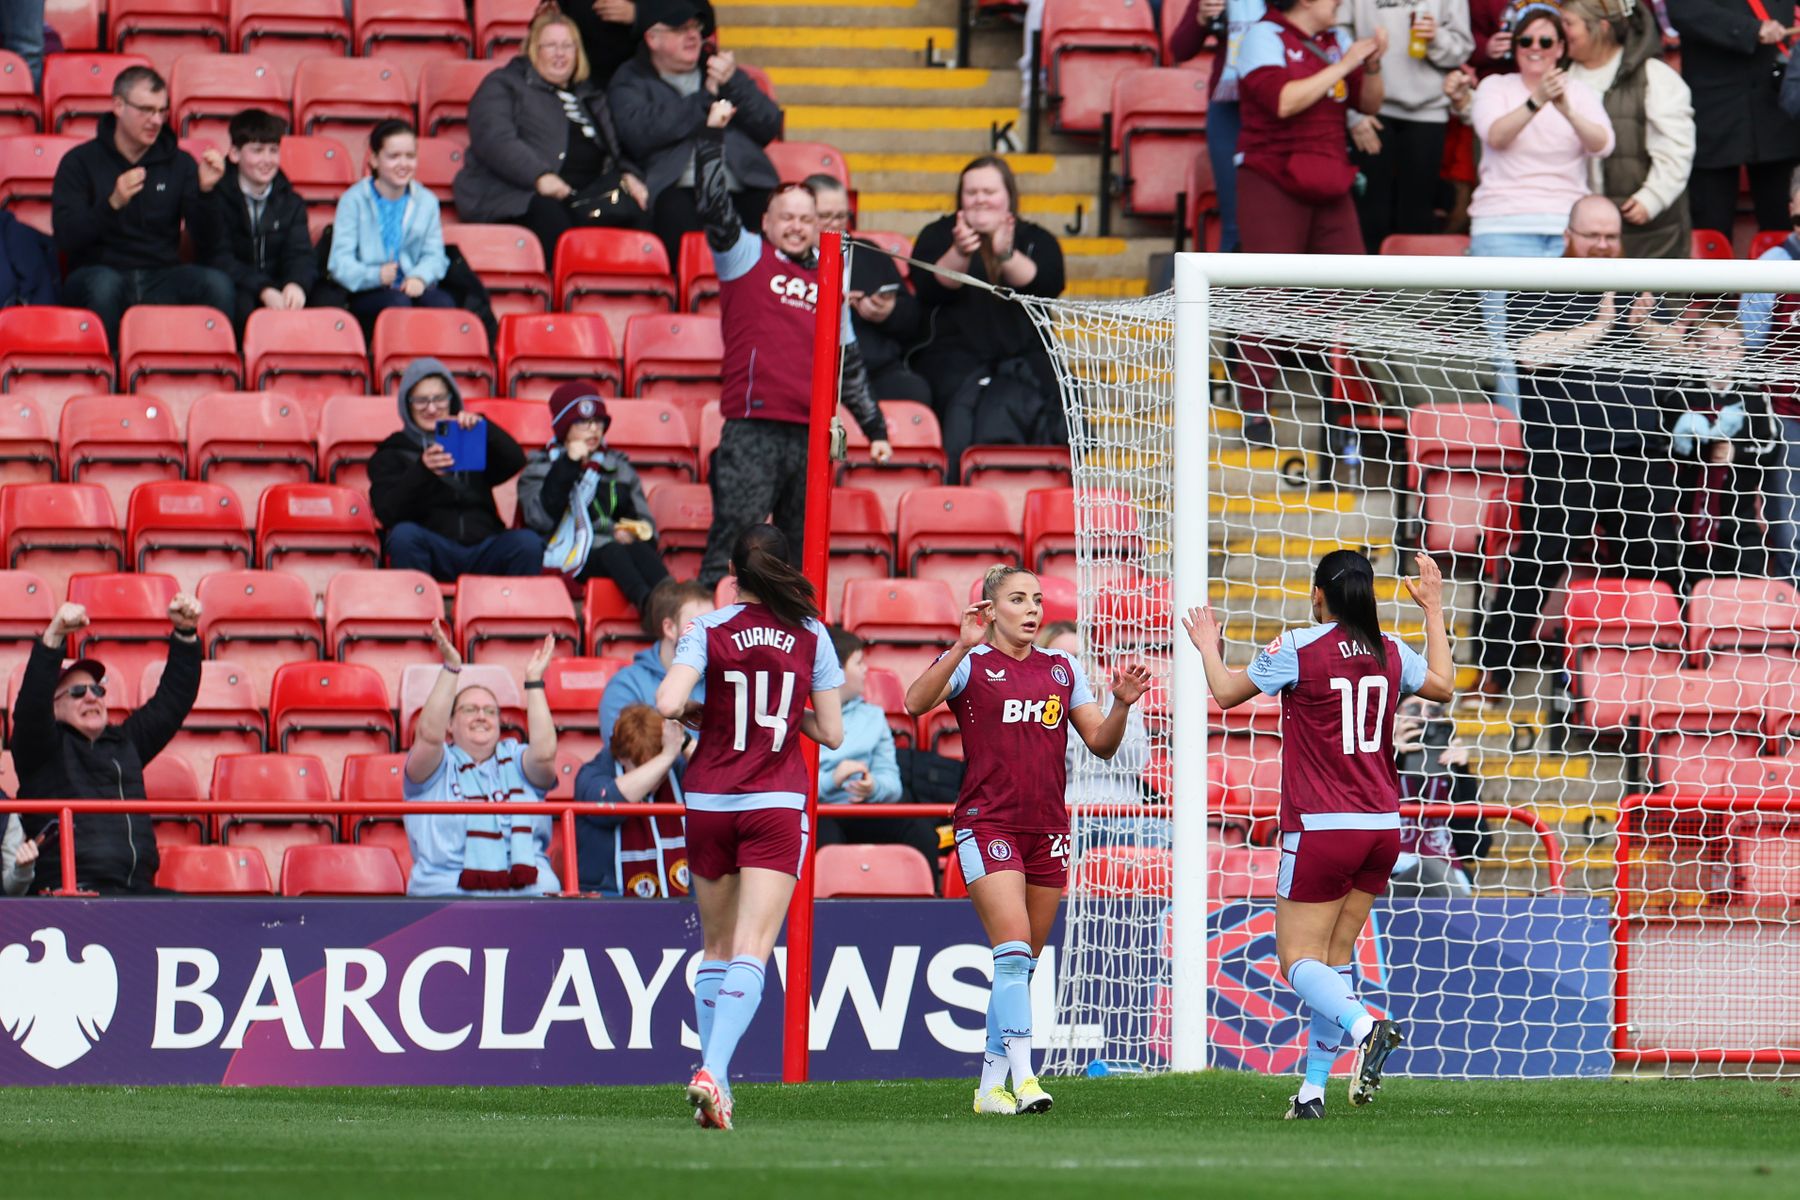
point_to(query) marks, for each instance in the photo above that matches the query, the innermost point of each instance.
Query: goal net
(1601, 843)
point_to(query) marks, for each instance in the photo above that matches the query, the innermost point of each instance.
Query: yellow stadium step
(1533, 766)
(1386, 588)
(1281, 502)
(1498, 725)
(896, 86)
(760, 38)
(806, 120)
(1243, 458)
(1063, 204)
(1104, 289)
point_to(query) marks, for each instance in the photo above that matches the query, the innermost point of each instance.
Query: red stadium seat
(500, 27)
(78, 89)
(654, 436)
(455, 337)
(617, 273)
(27, 441)
(439, 161)
(574, 688)
(60, 529)
(1246, 872)
(225, 719)
(315, 531)
(413, 33)
(290, 32)
(417, 681)
(373, 779)
(504, 620)
(28, 165)
(344, 98)
(333, 710)
(320, 170)
(862, 542)
(528, 421)
(907, 622)
(178, 352)
(886, 691)
(213, 871)
(119, 442)
(697, 275)
(951, 533)
(1710, 243)
(541, 351)
(1050, 523)
(1744, 615)
(1155, 127)
(1766, 241)
(1086, 45)
(611, 625)
(20, 110)
(207, 90)
(382, 618)
(1016, 471)
(350, 429)
(679, 348)
(250, 442)
(59, 352)
(682, 514)
(165, 30)
(76, 22)
(918, 454)
(262, 620)
(445, 88)
(341, 871)
(1122, 871)
(1457, 457)
(128, 620)
(1696, 720)
(262, 777)
(316, 351)
(1450, 245)
(1621, 634)
(892, 243)
(26, 606)
(795, 162)
(186, 529)
(868, 870)
(510, 262)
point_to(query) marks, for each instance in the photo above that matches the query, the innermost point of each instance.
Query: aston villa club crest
(1060, 675)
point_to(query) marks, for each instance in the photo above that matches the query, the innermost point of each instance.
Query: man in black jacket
(64, 749)
(265, 247)
(118, 204)
(885, 316)
(439, 519)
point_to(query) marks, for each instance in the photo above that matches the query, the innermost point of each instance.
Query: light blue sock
(706, 996)
(740, 991)
(1328, 995)
(1012, 1005)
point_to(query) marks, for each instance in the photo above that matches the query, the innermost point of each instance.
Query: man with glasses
(65, 747)
(885, 316)
(118, 205)
(439, 516)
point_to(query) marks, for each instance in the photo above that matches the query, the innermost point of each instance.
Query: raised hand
(1202, 628)
(1427, 590)
(975, 619)
(67, 620)
(1129, 682)
(720, 114)
(445, 647)
(184, 613)
(539, 661)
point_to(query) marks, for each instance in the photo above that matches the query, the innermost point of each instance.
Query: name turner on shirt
(762, 635)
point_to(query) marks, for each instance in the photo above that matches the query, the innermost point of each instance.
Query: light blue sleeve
(959, 678)
(1261, 47)
(1412, 667)
(1755, 311)
(737, 261)
(884, 766)
(431, 262)
(1277, 667)
(690, 648)
(1080, 690)
(344, 265)
(827, 671)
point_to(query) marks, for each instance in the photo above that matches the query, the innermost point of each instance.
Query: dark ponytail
(760, 560)
(1347, 579)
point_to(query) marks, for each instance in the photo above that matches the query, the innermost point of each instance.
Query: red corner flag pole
(797, 1018)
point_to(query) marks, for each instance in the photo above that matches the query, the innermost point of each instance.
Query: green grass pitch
(1215, 1134)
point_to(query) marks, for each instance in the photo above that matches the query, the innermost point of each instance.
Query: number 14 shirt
(759, 673)
(1337, 726)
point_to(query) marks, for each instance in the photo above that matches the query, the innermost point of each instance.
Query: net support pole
(828, 319)
(1191, 531)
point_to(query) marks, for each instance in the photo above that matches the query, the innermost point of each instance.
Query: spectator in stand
(266, 249)
(387, 242)
(29, 272)
(1425, 41)
(660, 100)
(1436, 853)
(1220, 24)
(587, 501)
(18, 858)
(22, 32)
(1771, 325)
(118, 205)
(64, 749)
(990, 377)
(1733, 54)
(768, 289)
(1093, 780)
(670, 609)
(885, 316)
(439, 518)
(611, 32)
(543, 151)
(1616, 48)
(458, 754)
(1596, 450)
(642, 857)
(863, 768)
(1492, 35)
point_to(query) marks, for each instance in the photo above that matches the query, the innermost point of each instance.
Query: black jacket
(55, 762)
(145, 233)
(884, 346)
(969, 324)
(1736, 82)
(458, 505)
(610, 44)
(660, 126)
(277, 252)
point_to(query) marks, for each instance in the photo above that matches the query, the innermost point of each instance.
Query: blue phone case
(467, 447)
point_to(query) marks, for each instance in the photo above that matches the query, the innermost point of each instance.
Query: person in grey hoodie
(436, 518)
(669, 610)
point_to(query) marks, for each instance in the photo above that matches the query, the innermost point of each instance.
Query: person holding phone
(884, 314)
(1436, 853)
(438, 513)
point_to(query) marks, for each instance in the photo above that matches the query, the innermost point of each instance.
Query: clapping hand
(720, 114)
(539, 662)
(445, 647)
(963, 235)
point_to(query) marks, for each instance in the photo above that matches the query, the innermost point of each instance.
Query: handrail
(565, 811)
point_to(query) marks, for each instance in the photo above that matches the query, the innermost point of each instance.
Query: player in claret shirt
(1015, 703)
(746, 783)
(1340, 682)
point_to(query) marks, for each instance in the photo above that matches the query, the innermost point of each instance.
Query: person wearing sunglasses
(66, 746)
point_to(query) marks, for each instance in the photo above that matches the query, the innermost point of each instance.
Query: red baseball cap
(93, 666)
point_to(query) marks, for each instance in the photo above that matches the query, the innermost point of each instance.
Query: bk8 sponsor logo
(1032, 712)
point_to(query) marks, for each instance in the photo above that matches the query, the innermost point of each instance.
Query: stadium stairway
(861, 76)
